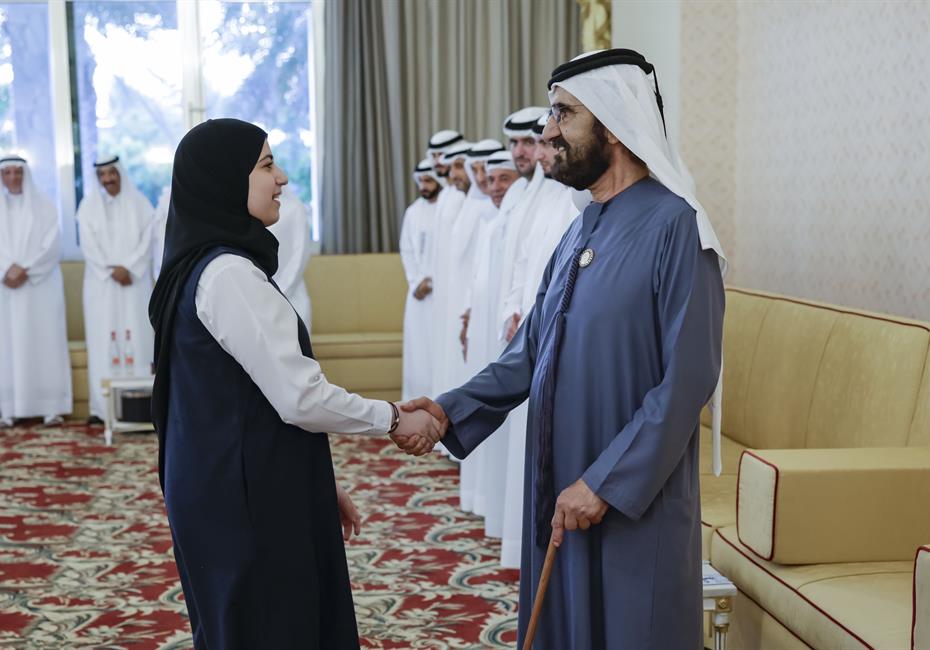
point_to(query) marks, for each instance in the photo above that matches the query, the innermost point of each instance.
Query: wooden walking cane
(540, 595)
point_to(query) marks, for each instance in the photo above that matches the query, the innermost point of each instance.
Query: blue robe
(640, 356)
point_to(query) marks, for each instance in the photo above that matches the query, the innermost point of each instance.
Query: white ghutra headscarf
(23, 242)
(615, 86)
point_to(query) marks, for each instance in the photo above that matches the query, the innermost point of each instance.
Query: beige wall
(807, 128)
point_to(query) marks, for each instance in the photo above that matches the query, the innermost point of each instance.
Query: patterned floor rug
(85, 553)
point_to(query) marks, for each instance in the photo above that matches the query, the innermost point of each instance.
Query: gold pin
(587, 256)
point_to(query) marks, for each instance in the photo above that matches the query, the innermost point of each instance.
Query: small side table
(718, 601)
(111, 392)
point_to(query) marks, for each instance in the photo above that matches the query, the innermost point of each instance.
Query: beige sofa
(358, 315)
(799, 376)
(822, 538)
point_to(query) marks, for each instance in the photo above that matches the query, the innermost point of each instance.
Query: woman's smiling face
(266, 181)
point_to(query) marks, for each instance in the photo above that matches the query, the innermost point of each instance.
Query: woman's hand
(348, 514)
(417, 432)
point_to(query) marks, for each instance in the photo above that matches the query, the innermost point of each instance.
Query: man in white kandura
(518, 128)
(446, 304)
(35, 370)
(456, 265)
(115, 226)
(492, 466)
(416, 254)
(293, 234)
(549, 217)
(482, 336)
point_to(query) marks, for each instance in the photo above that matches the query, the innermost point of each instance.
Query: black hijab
(209, 195)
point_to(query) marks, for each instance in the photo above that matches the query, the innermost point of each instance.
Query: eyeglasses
(558, 112)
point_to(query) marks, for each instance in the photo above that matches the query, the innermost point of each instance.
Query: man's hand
(417, 432)
(423, 289)
(512, 327)
(15, 277)
(121, 275)
(431, 407)
(348, 514)
(463, 335)
(420, 407)
(576, 507)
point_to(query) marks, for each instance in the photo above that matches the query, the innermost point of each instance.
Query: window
(256, 62)
(25, 91)
(85, 78)
(128, 59)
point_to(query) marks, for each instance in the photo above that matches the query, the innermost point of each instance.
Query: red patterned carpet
(85, 554)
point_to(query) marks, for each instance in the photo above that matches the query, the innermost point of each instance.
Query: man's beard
(530, 168)
(429, 195)
(580, 165)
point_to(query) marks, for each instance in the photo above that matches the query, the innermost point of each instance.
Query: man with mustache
(517, 211)
(549, 216)
(618, 355)
(518, 128)
(416, 254)
(115, 228)
(438, 144)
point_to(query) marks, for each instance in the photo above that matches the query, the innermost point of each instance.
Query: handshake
(422, 424)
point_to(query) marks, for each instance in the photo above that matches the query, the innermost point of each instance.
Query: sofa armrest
(812, 506)
(920, 625)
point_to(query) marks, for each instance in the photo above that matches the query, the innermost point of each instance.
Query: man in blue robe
(617, 357)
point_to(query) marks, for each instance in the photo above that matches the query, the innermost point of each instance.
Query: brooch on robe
(587, 256)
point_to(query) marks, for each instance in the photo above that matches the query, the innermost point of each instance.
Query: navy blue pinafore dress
(252, 504)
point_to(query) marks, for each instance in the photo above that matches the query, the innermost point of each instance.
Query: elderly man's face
(499, 181)
(109, 179)
(12, 179)
(458, 176)
(545, 156)
(429, 187)
(582, 152)
(523, 151)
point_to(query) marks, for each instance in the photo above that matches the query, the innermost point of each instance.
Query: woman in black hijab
(252, 501)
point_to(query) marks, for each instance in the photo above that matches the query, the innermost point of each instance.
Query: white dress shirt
(256, 325)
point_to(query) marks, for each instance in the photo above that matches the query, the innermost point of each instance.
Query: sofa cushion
(866, 390)
(72, 276)
(744, 315)
(920, 426)
(718, 507)
(356, 293)
(730, 452)
(363, 375)
(77, 350)
(785, 364)
(752, 628)
(920, 622)
(358, 344)
(804, 506)
(836, 606)
(718, 493)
